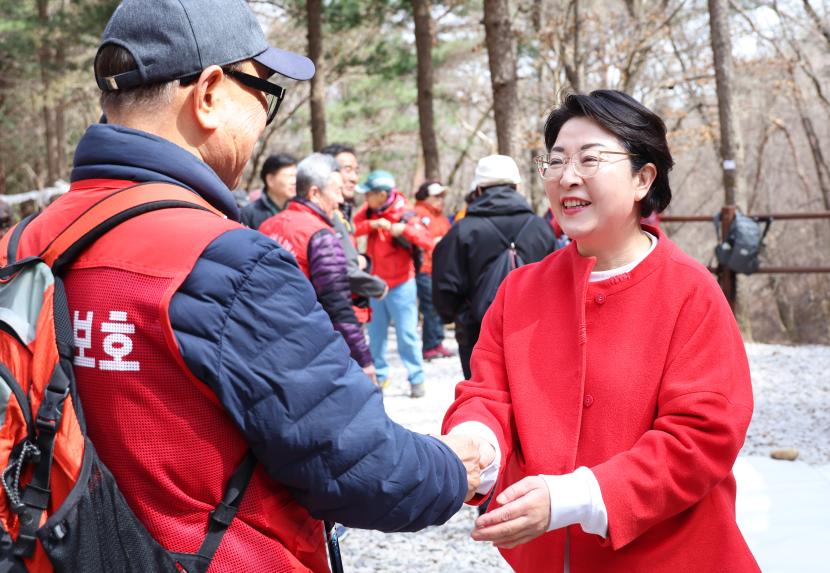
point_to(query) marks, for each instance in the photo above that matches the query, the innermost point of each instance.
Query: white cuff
(479, 430)
(575, 498)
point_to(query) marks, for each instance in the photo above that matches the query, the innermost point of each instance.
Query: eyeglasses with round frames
(586, 163)
(274, 94)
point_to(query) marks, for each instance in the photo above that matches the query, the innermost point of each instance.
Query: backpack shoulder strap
(11, 240)
(504, 239)
(114, 210)
(523, 227)
(80, 234)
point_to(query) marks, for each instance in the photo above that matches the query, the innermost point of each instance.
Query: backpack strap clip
(51, 409)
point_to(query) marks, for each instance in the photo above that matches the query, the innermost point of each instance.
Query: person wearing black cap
(279, 186)
(199, 340)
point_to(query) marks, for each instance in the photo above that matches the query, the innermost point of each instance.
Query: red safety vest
(293, 228)
(162, 432)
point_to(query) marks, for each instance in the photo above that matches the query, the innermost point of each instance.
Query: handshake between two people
(524, 508)
(475, 453)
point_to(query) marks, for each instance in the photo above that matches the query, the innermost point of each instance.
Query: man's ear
(206, 97)
(643, 180)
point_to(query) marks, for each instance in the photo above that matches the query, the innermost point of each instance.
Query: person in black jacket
(465, 253)
(279, 186)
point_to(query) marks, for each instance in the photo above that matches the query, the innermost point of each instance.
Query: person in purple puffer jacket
(305, 229)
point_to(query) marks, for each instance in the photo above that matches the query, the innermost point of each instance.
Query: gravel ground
(792, 410)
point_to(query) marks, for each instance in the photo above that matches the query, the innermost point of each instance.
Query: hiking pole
(334, 548)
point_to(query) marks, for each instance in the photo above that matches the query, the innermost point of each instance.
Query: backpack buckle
(51, 409)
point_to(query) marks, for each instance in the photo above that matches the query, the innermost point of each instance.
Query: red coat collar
(304, 206)
(582, 266)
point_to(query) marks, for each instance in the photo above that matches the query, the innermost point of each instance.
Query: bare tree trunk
(426, 117)
(577, 74)
(819, 23)
(572, 68)
(822, 169)
(60, 120)
(535, 188)
(45, 62)
(730, 143)
(4, 174)
(314, 13)
(502, 56)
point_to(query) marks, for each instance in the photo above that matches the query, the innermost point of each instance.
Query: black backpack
(743, 245)
(60, 507)
(488, 283)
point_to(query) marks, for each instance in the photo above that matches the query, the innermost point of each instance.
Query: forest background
(424, 89)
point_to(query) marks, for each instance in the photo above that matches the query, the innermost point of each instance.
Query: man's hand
(467, 450)
(370, 372)
(380, 224)
(487, 452)
(397, 229)
(524, 515)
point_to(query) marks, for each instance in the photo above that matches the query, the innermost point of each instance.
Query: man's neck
(279, 202)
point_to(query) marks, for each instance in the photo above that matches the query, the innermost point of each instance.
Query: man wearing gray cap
(198, 340)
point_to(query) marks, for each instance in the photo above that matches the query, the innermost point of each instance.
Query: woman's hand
(524, 515)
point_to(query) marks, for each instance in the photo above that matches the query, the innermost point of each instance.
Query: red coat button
(588, 400)
(600, 299)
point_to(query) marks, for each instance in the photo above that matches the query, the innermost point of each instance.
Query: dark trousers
(433, 327)
(464, 354)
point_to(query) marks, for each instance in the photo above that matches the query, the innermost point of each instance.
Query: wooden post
(726, 276)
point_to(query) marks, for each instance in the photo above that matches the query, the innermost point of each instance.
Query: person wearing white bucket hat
(474, 243)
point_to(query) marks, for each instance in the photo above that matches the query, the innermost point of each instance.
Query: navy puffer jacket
(248, 325)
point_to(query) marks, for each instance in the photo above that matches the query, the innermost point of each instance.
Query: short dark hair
(640, 130)
(335, 149)
(274, 163)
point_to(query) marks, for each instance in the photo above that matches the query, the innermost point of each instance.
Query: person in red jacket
(429, 206)
(396, 238)
(610, 385)
(305, 228)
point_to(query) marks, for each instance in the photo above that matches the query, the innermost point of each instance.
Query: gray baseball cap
(173, 39)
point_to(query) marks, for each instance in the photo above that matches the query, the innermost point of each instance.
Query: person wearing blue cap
(396, 243)
(201, 350)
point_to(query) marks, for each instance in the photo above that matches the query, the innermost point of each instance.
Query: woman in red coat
(610, 386)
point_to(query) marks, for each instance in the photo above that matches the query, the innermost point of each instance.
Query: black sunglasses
(274, 94)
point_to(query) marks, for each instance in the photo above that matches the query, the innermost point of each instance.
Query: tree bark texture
(314, 13)
(501, 52)
(730, 144)
(426, 116)
(45, 62)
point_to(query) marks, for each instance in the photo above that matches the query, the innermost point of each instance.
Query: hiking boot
(417, 390)
(432, 353)
(444, 351)
(439, 351)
